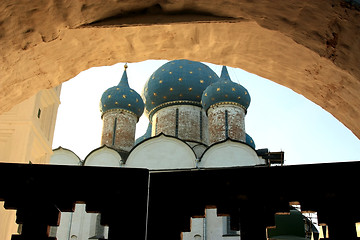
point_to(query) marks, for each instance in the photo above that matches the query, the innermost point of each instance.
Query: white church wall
(62, 156)
(62, 232)
(83, 225)
(103, 157)
(214, 225)
(229, 154)
(162, 152)
(197, 230)
(211, 227)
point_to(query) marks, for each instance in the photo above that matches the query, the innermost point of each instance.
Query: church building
(196, 121)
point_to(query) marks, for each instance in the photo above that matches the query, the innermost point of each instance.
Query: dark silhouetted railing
(138, 204)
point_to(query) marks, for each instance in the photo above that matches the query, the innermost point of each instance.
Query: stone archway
(312, 47)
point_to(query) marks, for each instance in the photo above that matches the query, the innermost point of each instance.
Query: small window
(197, 237)
(39, 113)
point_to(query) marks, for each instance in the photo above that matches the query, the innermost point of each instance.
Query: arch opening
(312, 48)
(278, 118)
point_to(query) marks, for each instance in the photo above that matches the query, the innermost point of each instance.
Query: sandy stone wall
(124, 128)
(312, 47)
(226, 121)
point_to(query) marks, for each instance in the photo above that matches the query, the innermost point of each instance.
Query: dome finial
(224, 74)
(124, 78)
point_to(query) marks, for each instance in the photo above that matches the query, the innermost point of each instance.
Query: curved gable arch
(162, 152)
(103, 157)
(229, 153)
(63, 156)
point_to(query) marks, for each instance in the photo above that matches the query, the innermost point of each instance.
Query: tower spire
(124, 78)
(224, 74)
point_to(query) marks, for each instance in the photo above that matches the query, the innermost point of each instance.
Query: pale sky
(278, 118)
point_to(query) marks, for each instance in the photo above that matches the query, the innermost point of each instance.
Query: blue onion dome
(177, 82)
(250, 141)
(225, 91)
(122, 97)
(145, 136)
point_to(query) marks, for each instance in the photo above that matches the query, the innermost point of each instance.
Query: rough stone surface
(124, 130)
(185, 126)
(235, 123)
(312, 47)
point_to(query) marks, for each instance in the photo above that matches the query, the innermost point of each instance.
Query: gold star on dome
(116, 103)
(164, 97)
(117, 88)
(199, 69)
(124, 96)
(197, 96)
(180, 95)
(210, 76)
(201, 81)
(153, 77)
(129, 105)
(180, 66)
(171, 89)
(233, 89)
(170, 72)
(109, 96)
(190, 72)
(239, 97)
(155, 94)
(218, 89)
(160, 81)
(190, 89)
(163, 69)
(180, 79)
(245, 92)
(152, 103)
(104, 105)
(212, 99)
(137, 100)
(131, 90)
(226, 95)
(205, 94)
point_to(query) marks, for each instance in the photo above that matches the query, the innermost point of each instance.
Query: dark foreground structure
(142, 204)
